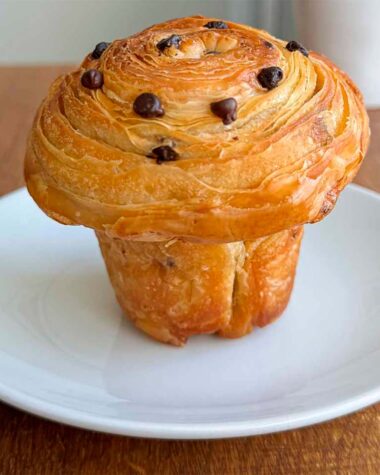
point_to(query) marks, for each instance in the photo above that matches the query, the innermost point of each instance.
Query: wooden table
(30, 445)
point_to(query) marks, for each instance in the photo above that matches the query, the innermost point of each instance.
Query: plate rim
(186, 431)
(183, 430)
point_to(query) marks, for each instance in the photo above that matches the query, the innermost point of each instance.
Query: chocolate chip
(148, 105)
(170, 262)
(218, 25)
(268, 44)
(99, 49)
(164, 153)
(270, 77)
(295, 46)
(92, 79)
(173, 40)
(225, 109)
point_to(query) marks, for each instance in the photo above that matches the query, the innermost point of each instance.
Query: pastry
(197, 150)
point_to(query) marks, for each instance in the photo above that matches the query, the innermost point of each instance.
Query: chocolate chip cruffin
(197, 150)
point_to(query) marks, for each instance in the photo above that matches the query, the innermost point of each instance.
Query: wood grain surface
(30, 445)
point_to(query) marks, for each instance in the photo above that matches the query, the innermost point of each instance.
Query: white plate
(67, 354)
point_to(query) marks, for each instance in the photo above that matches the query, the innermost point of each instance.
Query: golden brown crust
(268, 171)
(263, 281)
(208, 242)
(175, 289)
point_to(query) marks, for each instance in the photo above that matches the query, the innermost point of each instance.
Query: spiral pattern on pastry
(281, 163)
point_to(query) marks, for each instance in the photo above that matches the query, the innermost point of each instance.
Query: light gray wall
(59, 31)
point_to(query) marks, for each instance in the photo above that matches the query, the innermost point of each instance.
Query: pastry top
(196, 128)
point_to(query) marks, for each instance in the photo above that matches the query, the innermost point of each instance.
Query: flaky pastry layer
(175, 289)
(280, 164)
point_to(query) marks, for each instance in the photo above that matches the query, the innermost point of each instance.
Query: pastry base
(174, 289)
